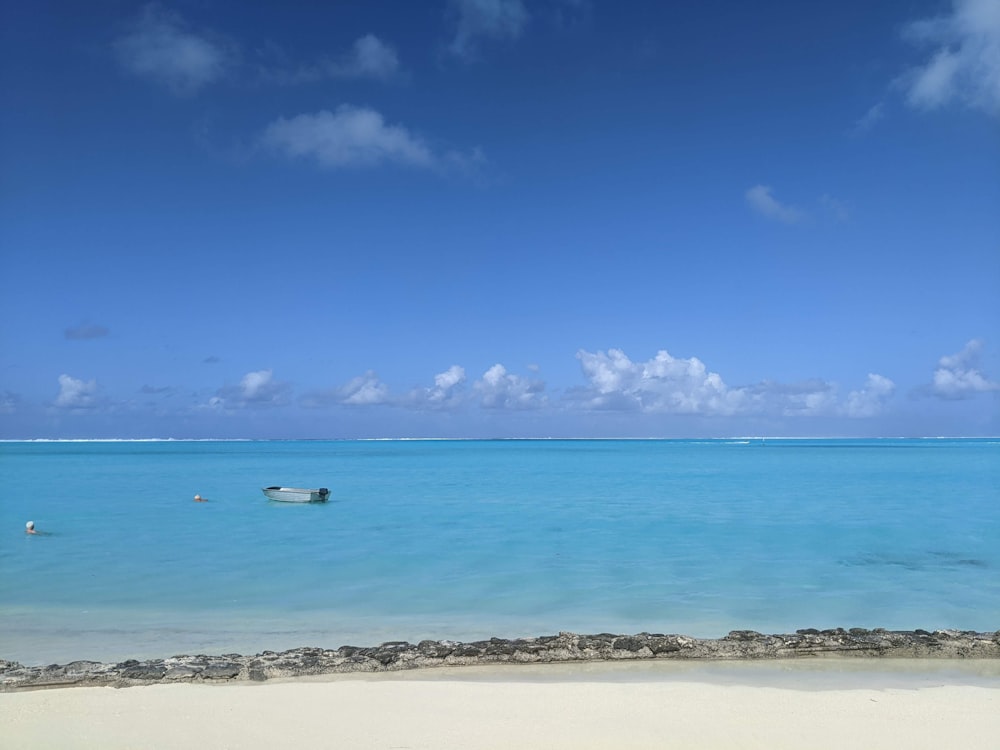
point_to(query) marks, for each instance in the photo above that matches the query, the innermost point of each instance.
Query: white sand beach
(752, 706)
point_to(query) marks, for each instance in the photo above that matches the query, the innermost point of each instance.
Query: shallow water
(469, 539)
(833, 673)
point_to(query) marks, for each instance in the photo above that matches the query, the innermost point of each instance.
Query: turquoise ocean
(466, 539)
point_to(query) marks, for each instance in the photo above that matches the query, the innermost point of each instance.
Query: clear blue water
(470, 539)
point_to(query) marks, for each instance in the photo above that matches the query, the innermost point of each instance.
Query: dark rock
(436, 649)
(500, 647)
(467, 649)
(564, 647)
(145, 672)
(595, 642)
(743, 635)
(629, 643)
(180, 673)
(390, 652)
(663, 644)
(220, 671)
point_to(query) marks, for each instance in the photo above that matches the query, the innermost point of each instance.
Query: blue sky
(498, 218)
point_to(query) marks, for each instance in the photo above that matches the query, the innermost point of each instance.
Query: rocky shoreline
(561, 648)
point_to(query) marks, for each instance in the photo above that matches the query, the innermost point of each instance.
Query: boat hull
(296, 494)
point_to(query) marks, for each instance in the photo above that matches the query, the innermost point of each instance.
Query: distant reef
(562, 648)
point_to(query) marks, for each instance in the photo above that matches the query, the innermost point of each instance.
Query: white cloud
(496, 19)
(445, 382)
(870, 400)
(499, 389)
(663, 384)
(349, 137)
(365, 390)
(760, 199)
(256, 390)
(445, 393)
(255, 385)
(160, 47)
(76, 394)
(964, 65)
(368, 390)
(958, 375)
(672, 385)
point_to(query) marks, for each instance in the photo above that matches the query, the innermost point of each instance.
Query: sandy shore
(769, 706)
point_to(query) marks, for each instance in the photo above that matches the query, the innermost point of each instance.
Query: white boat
(297, 494)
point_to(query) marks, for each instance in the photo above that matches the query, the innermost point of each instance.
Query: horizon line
(742, 438)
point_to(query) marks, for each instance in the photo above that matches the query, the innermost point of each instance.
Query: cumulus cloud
(674, 385)
(369, 390)
(493, 19)
(364, 391)
(257, 389)
(964, 61)
(760, 199)
(86, 331)
(76, 394)
(958, 376)
(664, 384)
(445, 393)
(160, 47)
(870, 399)
(349, 137)
(499, 389)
